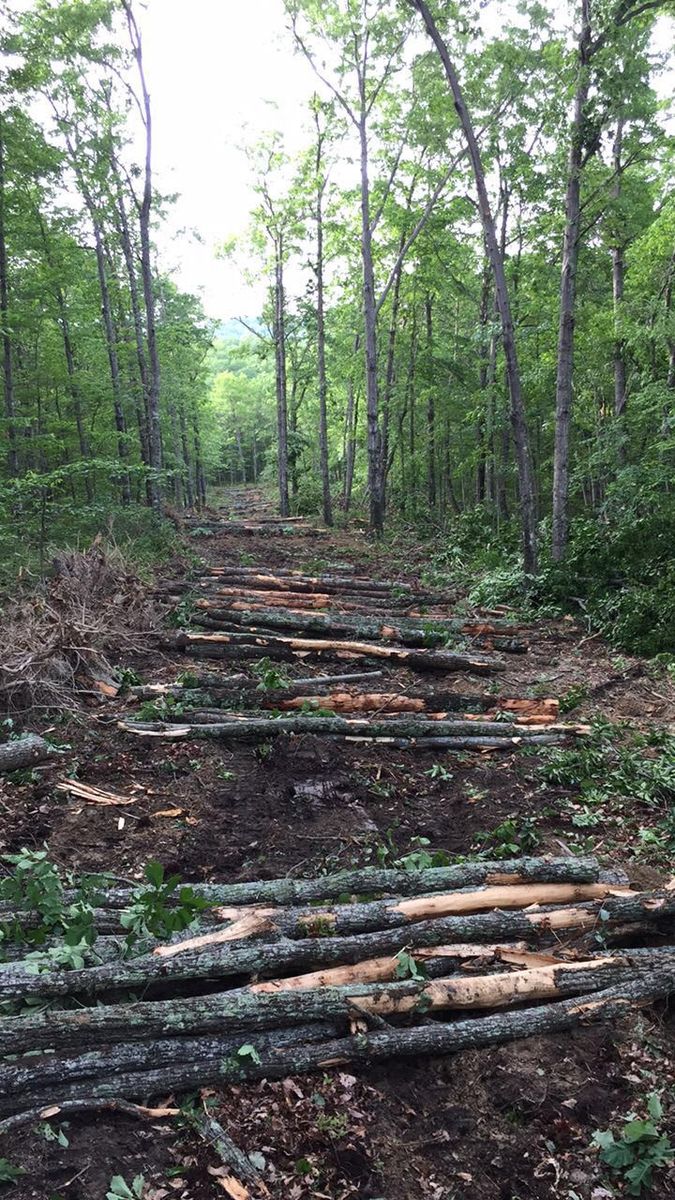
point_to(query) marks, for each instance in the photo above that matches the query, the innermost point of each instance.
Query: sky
(219, 73)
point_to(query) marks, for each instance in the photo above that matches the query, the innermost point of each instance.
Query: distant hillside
(234, 331)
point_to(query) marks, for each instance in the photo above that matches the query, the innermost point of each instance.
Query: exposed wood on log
(434, 959)
(388, 914)
(332, 624)
(274, 958)
(374, 880)
(289, 647)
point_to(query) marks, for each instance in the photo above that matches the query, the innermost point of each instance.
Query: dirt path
(513, 1123)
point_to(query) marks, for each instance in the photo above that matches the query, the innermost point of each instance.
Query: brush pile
(57, 639)
(287, 976)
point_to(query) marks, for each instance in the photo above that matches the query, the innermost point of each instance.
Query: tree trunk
(145, 213)
(7, 364)
(221, 645)
(245, 1011)
(338, 624)
(321, 335)
(23, 752)
(431, 409)
(618, 274)
(518, 418)
(282, 403)
(351, 423)
(568, 285)
(373, 441)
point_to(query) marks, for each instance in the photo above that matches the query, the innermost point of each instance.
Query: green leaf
(636, 1131)
(9, 1173)
(249, 1051)
(638, 1177)
(154, 873)
(654, 1106)
(118, 1189)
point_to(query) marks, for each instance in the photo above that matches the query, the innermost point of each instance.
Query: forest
(337, 665)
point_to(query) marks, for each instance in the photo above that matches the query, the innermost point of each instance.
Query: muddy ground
(512, 1123)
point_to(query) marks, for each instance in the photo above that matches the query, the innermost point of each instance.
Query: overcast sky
(220, 73)
(216, 70)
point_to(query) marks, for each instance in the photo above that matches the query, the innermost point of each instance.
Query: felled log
(345, 919)
(238, 727)
(474, 743)
(224, 644)
(398, 881)
(288, 580)
(337, 624)
(534, 712)
(608, 1003)
(274, 958)
(37, 1072)
(25, 751)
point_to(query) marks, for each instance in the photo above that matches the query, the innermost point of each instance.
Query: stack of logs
(289, 617)
(290, 976)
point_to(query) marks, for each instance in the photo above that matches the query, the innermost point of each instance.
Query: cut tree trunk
(396, 726)
(288, 647)
(273, 958)
(609, 1003)
(399, 881)
(23, 752)
(345, 919)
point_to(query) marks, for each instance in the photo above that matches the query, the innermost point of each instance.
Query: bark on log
(610, 1003)
(345, 919)
(396, 727)
(274, 958)
(30, 1076)
(280, 580)
(221, 645)
(398, 881)
(23, 752)
(363, 628)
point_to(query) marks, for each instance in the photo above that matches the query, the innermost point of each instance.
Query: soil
(512, 1123)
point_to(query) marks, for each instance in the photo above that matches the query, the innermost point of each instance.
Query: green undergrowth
(623, 786)
(28, 542)
(54, 913)
(618, 575)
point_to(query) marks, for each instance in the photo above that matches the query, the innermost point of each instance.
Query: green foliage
(271, 677)
(335, 1125)
(36, 886)
(163, 908)
(639, 1148)
(511, 838)
(640, 770)
(438, 771)
(119, 1189)
(9, 1173)
(408, 968)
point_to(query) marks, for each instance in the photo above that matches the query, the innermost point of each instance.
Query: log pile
(250, 613)
(287, 976)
